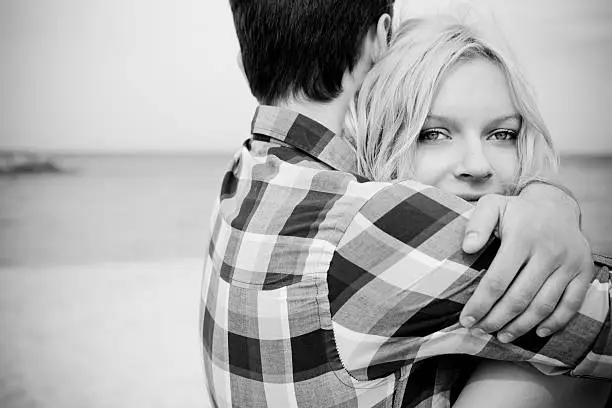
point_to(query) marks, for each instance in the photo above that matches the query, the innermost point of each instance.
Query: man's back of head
(297, 48)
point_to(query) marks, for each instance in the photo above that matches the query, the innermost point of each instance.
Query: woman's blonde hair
(387, 115)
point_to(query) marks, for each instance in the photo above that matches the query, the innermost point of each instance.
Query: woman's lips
(470, 197)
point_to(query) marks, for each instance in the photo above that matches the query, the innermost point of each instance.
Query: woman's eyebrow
(493, 122)
(441, 118)
(505, 118)
(433, 116)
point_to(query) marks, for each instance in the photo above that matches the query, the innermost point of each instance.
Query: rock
(26, 163)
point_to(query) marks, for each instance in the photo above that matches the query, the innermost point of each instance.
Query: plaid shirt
(324, 289)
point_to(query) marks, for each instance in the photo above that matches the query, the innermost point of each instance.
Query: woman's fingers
(526, 298)
(535, 248)
(570, 303)
(483, 222)
(543, 305)
(493, 286)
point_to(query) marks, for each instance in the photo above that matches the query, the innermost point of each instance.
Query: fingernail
(505, 337)
(471, 238)
(477, 331)
(468, 321)
(470, 241)
(543, 332)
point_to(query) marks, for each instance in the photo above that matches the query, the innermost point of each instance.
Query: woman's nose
(474, 165)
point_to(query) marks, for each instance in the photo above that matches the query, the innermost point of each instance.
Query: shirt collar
(305, 134)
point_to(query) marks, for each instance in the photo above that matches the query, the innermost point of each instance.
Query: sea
(124, 208)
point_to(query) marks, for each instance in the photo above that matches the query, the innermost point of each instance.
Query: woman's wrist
(545, 190)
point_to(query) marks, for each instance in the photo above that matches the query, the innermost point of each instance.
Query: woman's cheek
(505, 163)
(432, 165)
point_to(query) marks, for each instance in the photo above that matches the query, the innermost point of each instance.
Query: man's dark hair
(302, 47)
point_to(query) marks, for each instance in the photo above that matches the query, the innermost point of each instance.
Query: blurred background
(117, 119)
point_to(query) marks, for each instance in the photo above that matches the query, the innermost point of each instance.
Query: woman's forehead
(476, 88)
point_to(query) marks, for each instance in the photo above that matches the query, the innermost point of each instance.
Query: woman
(394, 113)
(446, 108)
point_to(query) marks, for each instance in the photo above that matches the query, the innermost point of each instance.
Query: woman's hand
(542, 270)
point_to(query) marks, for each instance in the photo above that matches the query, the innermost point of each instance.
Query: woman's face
(468, 143)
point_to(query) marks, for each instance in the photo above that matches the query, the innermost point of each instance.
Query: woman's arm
(502, 384)
(398, 281)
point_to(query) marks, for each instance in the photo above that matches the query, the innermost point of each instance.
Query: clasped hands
(543, 268)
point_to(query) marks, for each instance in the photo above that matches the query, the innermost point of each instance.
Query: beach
(100, 271)
(114, 335)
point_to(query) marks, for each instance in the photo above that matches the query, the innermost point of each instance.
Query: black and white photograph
(291, 203)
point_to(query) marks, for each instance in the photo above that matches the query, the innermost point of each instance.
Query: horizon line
(200, 152)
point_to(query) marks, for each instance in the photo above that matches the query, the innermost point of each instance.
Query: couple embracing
(388, 235)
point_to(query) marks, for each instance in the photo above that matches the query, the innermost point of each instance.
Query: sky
(161, 75)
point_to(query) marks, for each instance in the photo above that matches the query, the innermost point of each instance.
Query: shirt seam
(333, 333)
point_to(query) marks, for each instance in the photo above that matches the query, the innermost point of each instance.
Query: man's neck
(330, 114)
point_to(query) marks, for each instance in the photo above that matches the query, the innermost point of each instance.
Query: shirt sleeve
(399, 280)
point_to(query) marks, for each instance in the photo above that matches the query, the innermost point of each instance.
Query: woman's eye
(503, 135)
(432, 135)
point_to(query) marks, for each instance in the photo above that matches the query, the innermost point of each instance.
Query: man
(323, 289)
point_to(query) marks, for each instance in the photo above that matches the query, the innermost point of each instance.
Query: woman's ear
(382, 36)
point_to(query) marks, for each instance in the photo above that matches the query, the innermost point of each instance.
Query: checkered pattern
(322, 289)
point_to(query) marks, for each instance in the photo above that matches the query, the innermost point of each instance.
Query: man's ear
(382, 36)
(241, 65)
